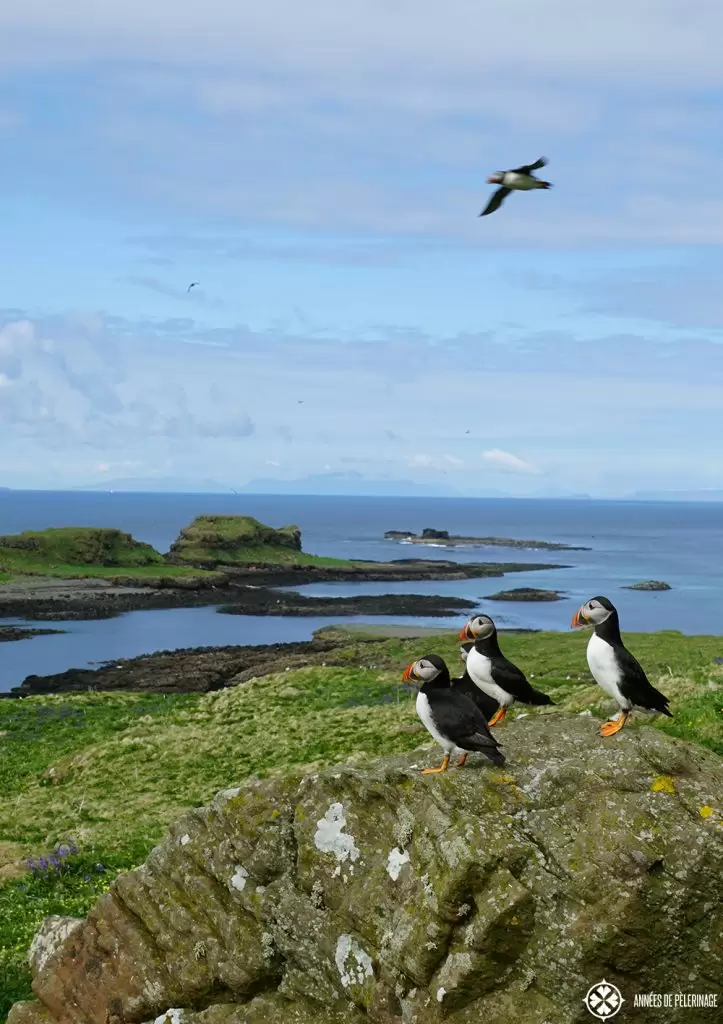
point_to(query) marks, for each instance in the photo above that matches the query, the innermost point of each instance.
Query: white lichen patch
(185, 839)
(441, 993)
(395, 862)
(50, 936)
(171, 1016)
(352, 962)
(229, 794)
(331, 838)
(239, 878)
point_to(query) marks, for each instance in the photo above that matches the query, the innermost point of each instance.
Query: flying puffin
(448, 716)
(490, 670)
(520, 179)
(486, 704)
(613, 667)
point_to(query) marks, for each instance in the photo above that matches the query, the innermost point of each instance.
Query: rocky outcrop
(75, 546)
(443, 538)
(649, 585)
(8, 633)
(525, 594)
(285, 603)
(222, 540)
(374, 895)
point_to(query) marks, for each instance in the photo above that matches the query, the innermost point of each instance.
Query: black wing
(486, 704)
(459, 719)
(636, 686)
(496, 200)
(513, 680)
(529, 168)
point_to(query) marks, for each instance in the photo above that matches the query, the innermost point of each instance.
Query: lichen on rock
(510, 894)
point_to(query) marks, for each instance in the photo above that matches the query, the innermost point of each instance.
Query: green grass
(111, 771)
(266, 554)
(242, 540)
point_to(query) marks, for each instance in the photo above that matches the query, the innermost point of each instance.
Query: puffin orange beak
(409, 675)
(578, 619)
(465, 633)
(491, 181)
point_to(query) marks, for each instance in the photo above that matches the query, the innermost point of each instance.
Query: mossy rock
(373, 893)
(223, 540)
(75, 545)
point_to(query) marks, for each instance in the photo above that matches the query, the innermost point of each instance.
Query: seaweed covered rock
(369, 893)
(224, 540)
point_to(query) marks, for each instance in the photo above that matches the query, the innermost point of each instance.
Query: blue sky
(319, 170)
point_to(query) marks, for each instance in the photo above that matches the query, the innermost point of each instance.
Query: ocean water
(681, 543)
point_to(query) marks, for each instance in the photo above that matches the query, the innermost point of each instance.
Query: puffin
(519, 179)
(448, 716)
(613, 667)
(464, 684)
(490, 670)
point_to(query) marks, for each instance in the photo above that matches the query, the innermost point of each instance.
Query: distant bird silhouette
(519, 179)
(191, 285)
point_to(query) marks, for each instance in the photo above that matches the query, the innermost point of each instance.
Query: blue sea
(681, 543)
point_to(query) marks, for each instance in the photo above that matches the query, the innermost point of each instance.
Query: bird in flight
(191, 285)
(519, 179)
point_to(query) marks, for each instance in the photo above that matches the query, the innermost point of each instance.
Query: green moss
(241, 540)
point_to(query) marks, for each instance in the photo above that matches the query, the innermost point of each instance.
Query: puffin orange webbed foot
(435, 771)
(462, 760)
(613, 726)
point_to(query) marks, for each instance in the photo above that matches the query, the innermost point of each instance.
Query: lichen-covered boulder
(52, 933)
(374, 894)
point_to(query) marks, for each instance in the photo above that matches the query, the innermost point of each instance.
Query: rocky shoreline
(42, 598)
(9, 633)
(291, 603)
(188, 670)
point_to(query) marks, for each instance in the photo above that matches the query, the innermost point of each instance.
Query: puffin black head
(481, 627)
(593, 613)
(497, 178)
(428, 669)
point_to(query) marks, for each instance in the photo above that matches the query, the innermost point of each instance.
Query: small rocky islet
(651, 585)
(444, 539)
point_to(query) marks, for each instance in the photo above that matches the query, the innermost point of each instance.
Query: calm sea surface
(630, 541)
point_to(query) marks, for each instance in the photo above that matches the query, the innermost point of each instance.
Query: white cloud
(85, 392)
(507, 461)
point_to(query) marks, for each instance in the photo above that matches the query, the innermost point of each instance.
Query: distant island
(443, 538)
(233, 561)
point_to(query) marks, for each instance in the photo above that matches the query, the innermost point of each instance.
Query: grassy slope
(82, 551)
(112, 770)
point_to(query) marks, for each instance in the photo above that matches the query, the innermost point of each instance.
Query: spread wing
(496, 200)
(636, 686)
(529, 168)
